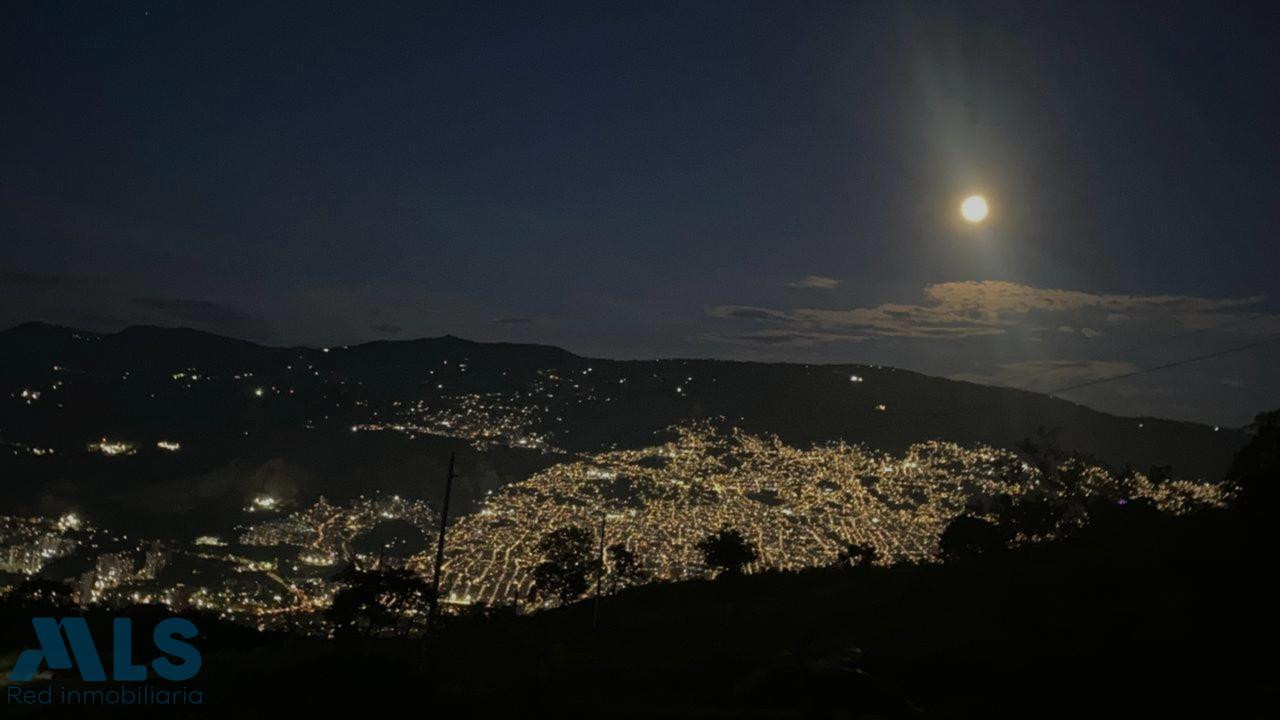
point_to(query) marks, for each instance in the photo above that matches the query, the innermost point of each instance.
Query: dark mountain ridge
(141, 379)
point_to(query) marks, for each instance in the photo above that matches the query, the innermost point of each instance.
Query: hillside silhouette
(123, 382)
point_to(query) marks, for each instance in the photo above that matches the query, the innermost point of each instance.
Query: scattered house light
(112, 448)
(263, 502)
(317, 559)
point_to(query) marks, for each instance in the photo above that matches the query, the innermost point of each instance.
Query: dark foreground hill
(1141, 615)
(1136, 614)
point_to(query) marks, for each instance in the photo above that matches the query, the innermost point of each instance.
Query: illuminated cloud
(969, 309)
(817, 282)
(785, 338)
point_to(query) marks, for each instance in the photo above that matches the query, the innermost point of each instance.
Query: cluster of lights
(262, 503)
(68, 521)
(486, 420)
(112, 448)
(19, 449)
(27, 545)
(799, 507)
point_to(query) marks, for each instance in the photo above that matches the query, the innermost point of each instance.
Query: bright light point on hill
(263, 502)
(974, 208)
(258, 392)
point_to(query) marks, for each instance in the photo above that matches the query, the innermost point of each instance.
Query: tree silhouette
(727, 551)
(1030, 517)
(858, 555)
(1160, 474)
(1255, 470)
(968, 536)
(40, 592)
(569, 563)
(624, 568)
(1054, 497)
(379, 602)
(1042, 451)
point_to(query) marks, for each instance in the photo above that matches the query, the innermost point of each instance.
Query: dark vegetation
(570, 564)
(379, 603)
(727, 551)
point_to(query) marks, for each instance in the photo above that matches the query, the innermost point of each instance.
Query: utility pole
(444, 521)
(595, 610)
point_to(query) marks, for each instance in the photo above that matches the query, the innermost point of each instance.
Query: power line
(1090, 383)
(1135, 346)
(1166, 366)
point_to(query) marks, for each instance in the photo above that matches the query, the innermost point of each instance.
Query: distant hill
(234, 405)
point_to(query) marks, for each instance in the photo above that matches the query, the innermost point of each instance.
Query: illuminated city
(732, 360)
(799, 507)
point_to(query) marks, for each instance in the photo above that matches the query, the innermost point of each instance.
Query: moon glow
(974, 208)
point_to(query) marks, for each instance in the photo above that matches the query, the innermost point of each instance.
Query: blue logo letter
(54, 653)
(165, 637)
(122, 666)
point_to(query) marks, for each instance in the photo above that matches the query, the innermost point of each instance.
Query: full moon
(974, 208)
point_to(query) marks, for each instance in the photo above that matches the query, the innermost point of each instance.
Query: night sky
(773, 181)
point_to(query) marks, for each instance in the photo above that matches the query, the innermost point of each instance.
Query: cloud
(388, 329)
(514, 321)
(772, 338)
(972, 309)
(746, 313)
(28, 281)
(818, 282)
(204, 315)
